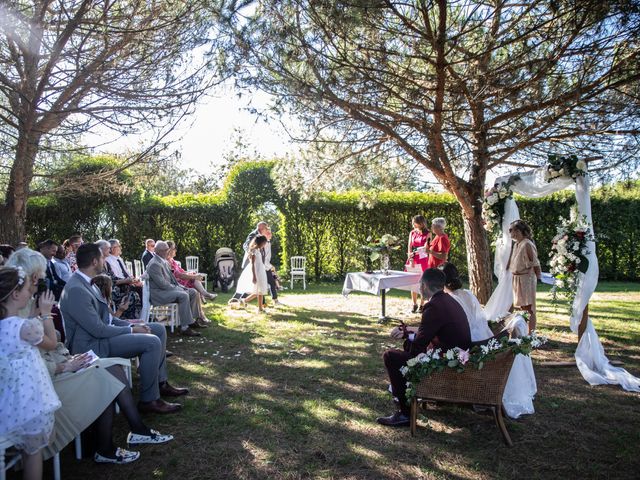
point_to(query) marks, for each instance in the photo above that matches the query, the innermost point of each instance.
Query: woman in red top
(419, 239)
(440, 245)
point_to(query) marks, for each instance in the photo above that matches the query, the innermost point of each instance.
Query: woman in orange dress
(419, 239)
(525, 268)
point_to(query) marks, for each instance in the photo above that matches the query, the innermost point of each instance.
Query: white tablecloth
(375, 282)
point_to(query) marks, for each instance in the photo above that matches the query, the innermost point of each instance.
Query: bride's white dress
(521, 385)
(245, 282)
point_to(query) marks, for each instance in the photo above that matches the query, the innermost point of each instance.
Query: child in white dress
(253, 280)
(27, 397)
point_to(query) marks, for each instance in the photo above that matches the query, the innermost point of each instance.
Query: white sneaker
(122, 456)
(155, 438)
(277, 302)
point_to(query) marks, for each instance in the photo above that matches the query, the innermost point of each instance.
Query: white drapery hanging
(590, 357)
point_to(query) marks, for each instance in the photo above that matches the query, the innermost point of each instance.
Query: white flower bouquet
(493, 205)
(569, 256)
(564, 166)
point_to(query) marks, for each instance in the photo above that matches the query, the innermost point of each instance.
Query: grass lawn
(295, 394)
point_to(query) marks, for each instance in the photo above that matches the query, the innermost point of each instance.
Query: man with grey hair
(261, 229)
(115, 261)
(164, 288)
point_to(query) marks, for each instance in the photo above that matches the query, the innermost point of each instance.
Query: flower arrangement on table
(436, 360)
(384, 246)
(564, 166)
(381, 248)
(569, 256)
(493, 205)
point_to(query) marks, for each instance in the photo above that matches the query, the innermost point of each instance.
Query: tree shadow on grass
(301, 398)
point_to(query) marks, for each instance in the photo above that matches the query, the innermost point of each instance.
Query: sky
(218, 122)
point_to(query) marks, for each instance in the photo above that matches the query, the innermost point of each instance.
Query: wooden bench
(476, 387)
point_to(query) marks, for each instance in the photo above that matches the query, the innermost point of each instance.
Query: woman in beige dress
(525, 267)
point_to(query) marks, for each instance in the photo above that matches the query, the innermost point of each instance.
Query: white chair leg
(56, 466)
(78, 445)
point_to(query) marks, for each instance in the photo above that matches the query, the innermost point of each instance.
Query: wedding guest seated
(189, 280)
(149, 251)
(90, 326)
(74, 243)
(103, 383)
(122, 287)
(118, 267)
(60, 263)
(164, 288)
(48, 248)
(444, 325)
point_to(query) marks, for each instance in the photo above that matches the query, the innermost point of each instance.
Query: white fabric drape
(590, 357)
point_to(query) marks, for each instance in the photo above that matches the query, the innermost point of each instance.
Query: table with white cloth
(377, 283)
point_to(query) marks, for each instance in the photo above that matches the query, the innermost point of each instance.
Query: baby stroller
(225, 268)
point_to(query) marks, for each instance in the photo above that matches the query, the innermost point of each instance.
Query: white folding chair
(137, 268)
(193, 264)
(5, 444)
(299, 270)
(129, 266)
(168, 313)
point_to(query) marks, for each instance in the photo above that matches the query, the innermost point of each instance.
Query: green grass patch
(295, 393)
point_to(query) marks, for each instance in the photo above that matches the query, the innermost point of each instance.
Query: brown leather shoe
(201, 323)
(168, 390)
(196, 324)
(189, 332)
(158, 406)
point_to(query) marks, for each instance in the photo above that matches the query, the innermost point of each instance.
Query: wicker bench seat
(477, 387)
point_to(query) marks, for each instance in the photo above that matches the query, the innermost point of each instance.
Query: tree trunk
(14, 212)
(478, 257)
(12, 225)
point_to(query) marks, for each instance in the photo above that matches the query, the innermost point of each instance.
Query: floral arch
(561, 173)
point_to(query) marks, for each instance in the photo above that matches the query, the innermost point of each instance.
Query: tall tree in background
(462, 87)
(70, 66)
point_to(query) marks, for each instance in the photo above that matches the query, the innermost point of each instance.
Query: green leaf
(583, 266)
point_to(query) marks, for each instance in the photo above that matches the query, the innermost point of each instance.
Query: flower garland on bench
(425, 364)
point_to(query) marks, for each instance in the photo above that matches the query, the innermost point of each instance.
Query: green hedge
(328, 228)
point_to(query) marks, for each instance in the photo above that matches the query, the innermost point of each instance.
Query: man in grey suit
(164, 288)
(90, 325)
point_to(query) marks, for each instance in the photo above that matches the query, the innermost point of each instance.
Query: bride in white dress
(521, 386)
(253, 280)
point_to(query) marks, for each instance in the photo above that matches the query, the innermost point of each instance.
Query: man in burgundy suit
(444, 324)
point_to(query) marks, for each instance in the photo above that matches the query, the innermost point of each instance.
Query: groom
(443, 321)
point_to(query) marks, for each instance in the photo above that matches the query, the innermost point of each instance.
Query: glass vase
(384, 263)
